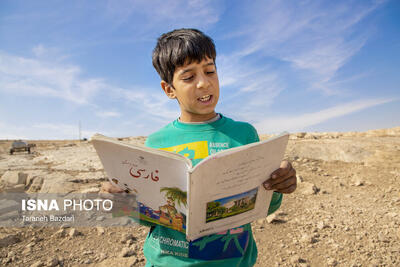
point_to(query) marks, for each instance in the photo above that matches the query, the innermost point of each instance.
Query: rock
(51, 262)
(127, 252)
(383, 238)
(321, 225)
(90, 190)
(307, 239)
(87, 261)
(100, 230)
(102, 256)
(36, 184)
(27, 250)
(295, 260)
(271, 218)
(358, 182)
(37, 264)
(299, 179)
(307, 188)
(331, 262)
(14, 177)
(126, 237)
(73, 232)
(100, 218)
(9, 240)
(134, 260)
(60, 233)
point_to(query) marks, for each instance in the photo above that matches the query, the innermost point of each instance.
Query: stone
(36, 184)
(126, 237)
(127, 252)
(321, 225)
(271, 218)
(73, 232)
(331, 262)
(299, 179)
(100, 230)
(52, 262)
(37, 264)
(100, 218)
(90, 190)
(359, 183)
(9, 240)
(308, 239)
(60, 233)
(307, 188)
(134, 261)
(14, 177)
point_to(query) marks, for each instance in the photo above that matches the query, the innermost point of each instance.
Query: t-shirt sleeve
(275, 202)
(253, 135)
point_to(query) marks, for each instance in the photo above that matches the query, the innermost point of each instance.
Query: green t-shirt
(234, 247)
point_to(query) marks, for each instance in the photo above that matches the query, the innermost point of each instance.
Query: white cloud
(32, 77)
(299, 122)
(154, 104)
(315, 38)
(39, 50)
(178, 13)
(108, 114)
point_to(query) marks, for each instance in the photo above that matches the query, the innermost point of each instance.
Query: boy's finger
(280, 179)
(284, 184)
(288, 190)
(284, 168)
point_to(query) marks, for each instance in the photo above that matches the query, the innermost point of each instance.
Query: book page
(158, 182)
(226, 189)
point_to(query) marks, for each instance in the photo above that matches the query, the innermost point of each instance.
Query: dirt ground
(345, 211)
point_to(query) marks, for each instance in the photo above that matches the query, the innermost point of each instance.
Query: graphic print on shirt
(193, 151)
(227, 244)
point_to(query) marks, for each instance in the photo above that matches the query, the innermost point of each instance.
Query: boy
(185, 61)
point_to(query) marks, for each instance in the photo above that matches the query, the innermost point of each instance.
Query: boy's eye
(188, 78)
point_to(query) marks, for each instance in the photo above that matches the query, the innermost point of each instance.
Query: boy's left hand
(283, 180)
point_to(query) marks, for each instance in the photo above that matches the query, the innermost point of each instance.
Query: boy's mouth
(205, 98)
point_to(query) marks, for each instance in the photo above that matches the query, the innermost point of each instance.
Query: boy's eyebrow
(190, 69)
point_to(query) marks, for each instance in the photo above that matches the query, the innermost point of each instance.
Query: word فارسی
(67, 204)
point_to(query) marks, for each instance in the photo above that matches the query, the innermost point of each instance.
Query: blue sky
(283, 65)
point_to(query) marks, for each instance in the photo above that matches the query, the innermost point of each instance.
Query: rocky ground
(345, 211)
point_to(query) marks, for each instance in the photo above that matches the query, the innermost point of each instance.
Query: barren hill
(345, 211)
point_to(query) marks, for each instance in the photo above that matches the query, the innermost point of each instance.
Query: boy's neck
(197, 117)
(210, 118)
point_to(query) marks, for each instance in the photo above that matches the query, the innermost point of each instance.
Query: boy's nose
(203, 82)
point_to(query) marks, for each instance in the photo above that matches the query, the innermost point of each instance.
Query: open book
(221, 192)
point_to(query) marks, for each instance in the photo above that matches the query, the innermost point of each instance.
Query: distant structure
(80, 133)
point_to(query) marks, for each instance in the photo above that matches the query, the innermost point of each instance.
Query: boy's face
(196, 87)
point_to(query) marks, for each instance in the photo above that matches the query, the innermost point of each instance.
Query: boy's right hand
(108, 187)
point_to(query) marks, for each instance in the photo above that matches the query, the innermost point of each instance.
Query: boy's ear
(168, 89)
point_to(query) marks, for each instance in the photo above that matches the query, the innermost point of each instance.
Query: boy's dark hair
(178, 47)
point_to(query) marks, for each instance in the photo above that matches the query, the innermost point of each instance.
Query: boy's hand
(283, 180)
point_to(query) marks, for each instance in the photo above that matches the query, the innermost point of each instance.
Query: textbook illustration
(221, 192)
